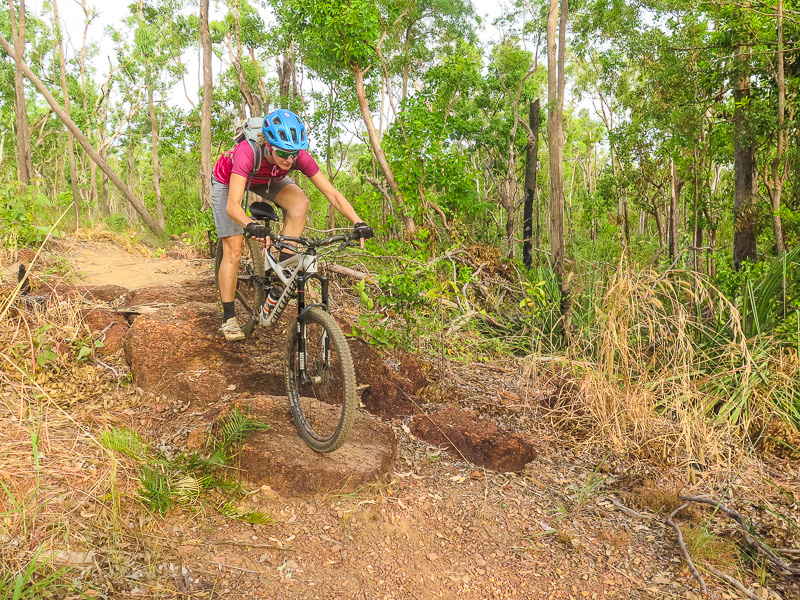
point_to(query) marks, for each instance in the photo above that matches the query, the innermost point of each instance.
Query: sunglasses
(284, 153)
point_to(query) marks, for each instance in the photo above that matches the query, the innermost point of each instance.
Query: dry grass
(655, 380)
(99, 232)
(63, 497)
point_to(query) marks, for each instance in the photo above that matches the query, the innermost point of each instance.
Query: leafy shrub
(22, 209)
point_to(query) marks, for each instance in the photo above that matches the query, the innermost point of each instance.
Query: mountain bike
(320, 378)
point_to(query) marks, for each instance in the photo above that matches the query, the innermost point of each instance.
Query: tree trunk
(377, 150)
(154, 139)
(24, 163)
(744, 209)
(251, 101)
(92, 167)
(778, 178)
(73, 171)
(555, 132)
(134, 201)
(286, 79)
(205, 110)
(674, 212)
(531, 164)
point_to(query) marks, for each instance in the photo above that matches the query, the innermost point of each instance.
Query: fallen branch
(629, 511)
(684, 551)
(753, 542)
(248, 545)
(349, 272)
(738, 584)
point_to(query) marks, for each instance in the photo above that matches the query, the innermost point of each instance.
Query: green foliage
(39, 579)
(125, 441)
(23, 215)
(164, 482)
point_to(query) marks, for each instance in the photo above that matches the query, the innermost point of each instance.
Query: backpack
(249, 130)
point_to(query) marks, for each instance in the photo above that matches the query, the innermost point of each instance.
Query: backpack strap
(257, 155)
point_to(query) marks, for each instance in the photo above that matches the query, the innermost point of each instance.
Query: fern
(126, 441)
(156, 490)
(254, 517)
(232, 431)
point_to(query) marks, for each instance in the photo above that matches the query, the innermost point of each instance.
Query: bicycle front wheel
(250, 294)
(322, 398)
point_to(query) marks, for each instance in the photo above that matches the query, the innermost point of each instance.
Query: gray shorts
(227, 227)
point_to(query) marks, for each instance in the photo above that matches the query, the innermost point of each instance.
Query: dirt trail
(440, 528)
(101, 263)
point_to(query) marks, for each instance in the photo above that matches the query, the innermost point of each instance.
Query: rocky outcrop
(280, 459)
(474, 439)
(199, 290)
(392, 382)
(179, 352)
(112, 326)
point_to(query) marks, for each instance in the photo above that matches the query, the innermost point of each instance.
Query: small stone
(433, 556)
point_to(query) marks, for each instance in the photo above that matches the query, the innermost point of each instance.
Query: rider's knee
(298, 209)
(233, 253)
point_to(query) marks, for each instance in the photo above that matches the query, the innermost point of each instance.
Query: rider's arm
(234, 205)
(334, 196)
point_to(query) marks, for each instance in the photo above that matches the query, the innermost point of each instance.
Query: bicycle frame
(302, 267)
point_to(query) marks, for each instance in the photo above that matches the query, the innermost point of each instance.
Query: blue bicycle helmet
(285, 130)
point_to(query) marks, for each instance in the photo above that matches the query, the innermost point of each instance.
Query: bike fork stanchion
(301, 331)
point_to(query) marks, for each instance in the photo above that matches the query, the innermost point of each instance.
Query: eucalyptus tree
(556, 81)
(205, 113)
(73, 170)
(82, 140)
(149, 57)
(436, 138)
(24, 163)
(244, 33)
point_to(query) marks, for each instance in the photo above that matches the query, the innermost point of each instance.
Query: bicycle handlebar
(307, 242)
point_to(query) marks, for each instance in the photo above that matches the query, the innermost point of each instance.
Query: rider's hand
(362, 232)
(256, 231)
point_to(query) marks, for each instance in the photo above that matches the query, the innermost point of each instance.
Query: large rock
(280, 459)
(179, 352)
(476, 440)
(111, 325)
(391, 381)
(198, 290)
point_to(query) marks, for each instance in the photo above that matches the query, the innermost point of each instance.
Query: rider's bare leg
(229, 267)
(295, 204)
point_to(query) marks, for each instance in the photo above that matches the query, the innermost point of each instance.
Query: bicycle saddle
(263, 210)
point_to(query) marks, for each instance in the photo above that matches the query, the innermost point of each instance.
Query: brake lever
(344, 244)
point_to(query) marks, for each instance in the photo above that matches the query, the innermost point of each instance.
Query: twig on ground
(738, 584)
(629, 511)
(684, 551)
(109, 367)
(755, 543)
(247, 545)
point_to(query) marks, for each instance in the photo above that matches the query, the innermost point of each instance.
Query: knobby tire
(325, 409)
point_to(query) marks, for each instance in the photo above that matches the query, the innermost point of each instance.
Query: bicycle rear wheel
(250, 294)
(323, 406)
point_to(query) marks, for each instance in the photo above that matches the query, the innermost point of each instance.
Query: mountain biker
(283, 143)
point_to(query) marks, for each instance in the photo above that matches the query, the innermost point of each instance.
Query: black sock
(228, 311)
(284, 255)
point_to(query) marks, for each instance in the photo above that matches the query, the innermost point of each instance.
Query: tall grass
(660, 364)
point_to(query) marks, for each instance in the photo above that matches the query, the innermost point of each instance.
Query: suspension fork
(300, 323)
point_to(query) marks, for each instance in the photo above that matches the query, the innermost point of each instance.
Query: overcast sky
(111, 13)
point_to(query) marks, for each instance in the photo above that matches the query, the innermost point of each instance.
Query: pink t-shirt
(240, 161)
